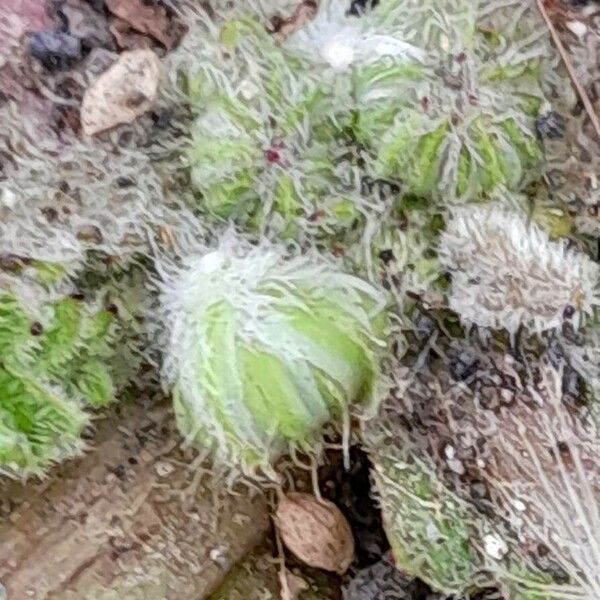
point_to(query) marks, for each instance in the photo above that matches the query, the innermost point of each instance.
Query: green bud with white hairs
(265, 348)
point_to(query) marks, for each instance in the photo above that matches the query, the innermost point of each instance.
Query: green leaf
(95, 384)
(271, 396)
(232, 197)
(37, 424)
(382, 75)
(15, 327)
(60, 341)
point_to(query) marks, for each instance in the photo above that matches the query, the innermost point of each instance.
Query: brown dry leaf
(149, 19)
(126, 37)
(315, 531)
(122, 93)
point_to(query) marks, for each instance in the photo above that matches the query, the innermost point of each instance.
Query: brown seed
(315, 531)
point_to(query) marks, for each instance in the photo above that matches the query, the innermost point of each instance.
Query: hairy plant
(548, 453)
(62, 196)
(582, 351)
(53, 366)
(265, 149)
(266, 347)
(487, 474)
(447, 123)
(506, 272)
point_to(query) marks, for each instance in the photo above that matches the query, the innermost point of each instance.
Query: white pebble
(164, 468)
(520, 506)
(577, 27)
(8, 198)
(456, 466)
(432, 532)
(248, 89)
(495, 546)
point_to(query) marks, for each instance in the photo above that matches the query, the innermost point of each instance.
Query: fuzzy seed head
(506, 272)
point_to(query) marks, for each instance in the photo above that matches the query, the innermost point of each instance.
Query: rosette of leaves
(53, 367)
(444, 121)
(263, 142)
(265, 348)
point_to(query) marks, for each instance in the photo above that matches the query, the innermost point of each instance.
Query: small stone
(386, 256)
(359, 7)
(449, 451)
(90, 233)
(8, 198)
(219, 557)
(577, 27)
(456, 466)
(248, 89)
(383, 581)
(506, 395)
(84, 23)
(444, 43)
(432, 532)
(36, 328)
(495, 546)
(121, 94)
(163, 468)
(338, 54)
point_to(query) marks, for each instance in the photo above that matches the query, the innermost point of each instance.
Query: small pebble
(359, 7)
(495, 546)
(126, 90)
(36, 328)
(8, 198)
(577, 27)
(386, 256)
(383, 581)
(219, 556)
(163, 468)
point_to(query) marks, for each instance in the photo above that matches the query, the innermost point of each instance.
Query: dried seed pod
(508, 273)
(315, 531)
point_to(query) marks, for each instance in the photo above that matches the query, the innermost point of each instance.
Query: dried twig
(587, 103)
